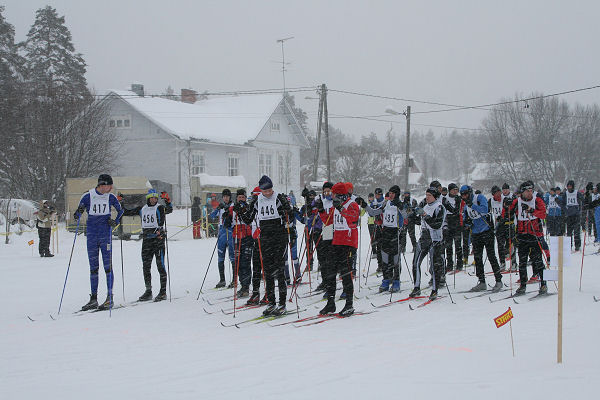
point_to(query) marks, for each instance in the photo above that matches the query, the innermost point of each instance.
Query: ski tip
(596, 299)
(411, 307)
(237, 326)
(222, 324)
(490, 298)
(516, 302)
(52, 318)
(206, 311)
(31, 319)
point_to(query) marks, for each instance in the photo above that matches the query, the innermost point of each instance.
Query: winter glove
(165, 197)
(305, 192)
(79, 212)
(221, 206)
(361, 202)
(419, 211)
(238, 207)
(112, 222)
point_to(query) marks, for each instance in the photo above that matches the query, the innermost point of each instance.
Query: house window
(274, 126)
(265, 164)
(233, 164)
(120, 122)
(198, 163)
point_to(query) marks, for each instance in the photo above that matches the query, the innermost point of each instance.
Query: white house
(169, 141)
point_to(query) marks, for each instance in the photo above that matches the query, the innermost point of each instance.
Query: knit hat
(151, 193)
(495, 189)
(433, 191)
(378, 191)
(452, 186)
(526, 186)
(505, 186)
(327, 185)
(226, 192)
(339, 188)
(265, 183)
(396, 190)
(241, 192)
(349, 187)
(571, 183)
(435, 184)
(105, 179)
(256, 190)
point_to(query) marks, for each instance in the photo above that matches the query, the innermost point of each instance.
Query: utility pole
(322, 125)
(407, 161)
(282, 41)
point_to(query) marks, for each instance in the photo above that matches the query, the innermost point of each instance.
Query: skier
(44, 227)
(393, 221)
(410, 220)
(482, 235)
(97, 202)
(529, 211)
(196, 214)
(573, 201)
(271, 209)
(343, 216)
(495, 206)
(323, 242)
(152, 217)
(371, 226)
(308, 219)
(554, 219)
(257, 268)
(589, 209)
(596, 205)
(377, 202)
(432, 215)
(452, 204)
(290, 227)
(225, 238)
(242, 236)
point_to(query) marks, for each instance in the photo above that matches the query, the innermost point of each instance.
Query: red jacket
(350, 214)
(529, 227)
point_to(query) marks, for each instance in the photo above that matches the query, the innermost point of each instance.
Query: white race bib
(267, 207)
(390, 216)
(572, 199)
(99, 203)
(149, 216)
(339, 222)
(525, 216)
(496, 208)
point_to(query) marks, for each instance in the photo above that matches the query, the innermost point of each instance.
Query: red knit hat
(339, 188)
(256, 190)
(349, 187)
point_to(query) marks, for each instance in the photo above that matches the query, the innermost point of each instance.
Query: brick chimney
(188, 96)
(138, 88)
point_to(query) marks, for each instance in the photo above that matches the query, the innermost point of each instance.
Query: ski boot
(264, 300)
(502, 267)
(433, 295)
(497, 287)
(108, 303)
(543, 289)
(243, 292)
(534, 279)
(320, 287)
(395, 286)
(329, 307)
(279, 310)
(147, 295)
(48, 254)
(415, 292)
(162, 295)
(343, 296)
(348, 309)
(92, 304)
(220, 284)
(231, 285)
(520, 291)
(269, 310)
(253, 300)
(480, 287)
(385, 286)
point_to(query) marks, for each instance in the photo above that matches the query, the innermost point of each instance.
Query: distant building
(171, 141)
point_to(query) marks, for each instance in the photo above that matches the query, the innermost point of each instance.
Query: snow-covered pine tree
(53, 67)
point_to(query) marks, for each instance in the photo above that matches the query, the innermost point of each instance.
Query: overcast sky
(456, 52)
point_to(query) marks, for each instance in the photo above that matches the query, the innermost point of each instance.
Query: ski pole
(291, 260)
(207, 268)
(237, 264)
(110, 277)
(168, 263)
(122, 269)
(69, 265)
(583, 251)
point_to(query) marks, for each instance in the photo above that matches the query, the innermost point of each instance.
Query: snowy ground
(176, 351)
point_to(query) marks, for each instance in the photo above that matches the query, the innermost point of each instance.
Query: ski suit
(573, 201)
(482, 236)
(452, 205)
(99, 233)
(224, 238)
(243, 244)
(431, 243)
(409, 224)
(392, 222)
(153, 240)
(270, 212)
(554, 217)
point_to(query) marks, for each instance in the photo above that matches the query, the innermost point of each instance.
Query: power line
(372, 118)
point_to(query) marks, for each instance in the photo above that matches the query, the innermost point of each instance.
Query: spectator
(44, 225)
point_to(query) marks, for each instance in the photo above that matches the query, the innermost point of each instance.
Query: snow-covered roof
(225, 181)
(232, 120)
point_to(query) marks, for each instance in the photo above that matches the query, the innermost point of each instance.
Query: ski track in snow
(176, 351)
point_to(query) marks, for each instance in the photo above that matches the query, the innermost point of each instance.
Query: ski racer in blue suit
(225, 237)
(97, 203)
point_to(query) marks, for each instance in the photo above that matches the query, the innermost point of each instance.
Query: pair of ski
(513, 297)
(262, 319)
(318, 319)
(230, 311)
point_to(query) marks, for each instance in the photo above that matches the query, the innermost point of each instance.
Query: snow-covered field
(177, 351)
